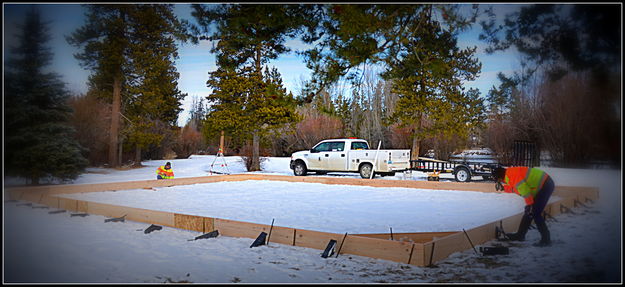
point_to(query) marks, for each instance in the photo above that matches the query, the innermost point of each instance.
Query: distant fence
(525, 153)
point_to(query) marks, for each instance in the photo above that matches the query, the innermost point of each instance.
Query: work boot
(545, 237)
(523, 227)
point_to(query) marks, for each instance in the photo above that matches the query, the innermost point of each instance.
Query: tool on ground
(495, 250)
(78, 214)
(434, 176)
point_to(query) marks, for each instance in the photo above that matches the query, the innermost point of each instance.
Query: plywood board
(189, 222)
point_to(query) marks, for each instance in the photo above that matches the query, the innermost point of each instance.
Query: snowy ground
(45, 248)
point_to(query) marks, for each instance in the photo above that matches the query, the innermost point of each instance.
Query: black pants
(540, 201)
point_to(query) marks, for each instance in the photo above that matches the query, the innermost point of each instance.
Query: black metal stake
(341, 246)
(465, 233)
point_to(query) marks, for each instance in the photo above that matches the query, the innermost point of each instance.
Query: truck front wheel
(365, 170)
(299, 168)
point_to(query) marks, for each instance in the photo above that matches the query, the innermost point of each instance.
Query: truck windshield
(359, 145)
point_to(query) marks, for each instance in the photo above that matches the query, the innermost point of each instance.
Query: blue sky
(195, 61)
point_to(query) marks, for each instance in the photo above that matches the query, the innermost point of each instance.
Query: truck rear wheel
(299, 168)
(463, 174)
(365, 170)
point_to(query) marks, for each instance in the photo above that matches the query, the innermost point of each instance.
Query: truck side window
(359, 145)
(337, 146)
(322, 147)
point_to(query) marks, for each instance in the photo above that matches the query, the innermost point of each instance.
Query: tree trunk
(137, 156)
(416, 145)
(416, 140)
(255, 152)
(114, 134)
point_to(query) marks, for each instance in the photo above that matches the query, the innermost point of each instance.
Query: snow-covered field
(59, 248)
(323, 207)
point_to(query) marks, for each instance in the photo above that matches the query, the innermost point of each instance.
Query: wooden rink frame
(419, 248)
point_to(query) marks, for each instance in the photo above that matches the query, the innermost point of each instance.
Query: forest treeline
(386, 73)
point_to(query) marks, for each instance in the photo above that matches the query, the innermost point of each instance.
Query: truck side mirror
(313, 150)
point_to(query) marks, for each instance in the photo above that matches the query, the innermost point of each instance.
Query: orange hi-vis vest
(165, 173)
(524, 181)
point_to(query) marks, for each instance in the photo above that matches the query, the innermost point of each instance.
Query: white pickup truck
(349, 155)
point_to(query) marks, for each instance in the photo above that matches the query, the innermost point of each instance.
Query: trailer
(463, 169)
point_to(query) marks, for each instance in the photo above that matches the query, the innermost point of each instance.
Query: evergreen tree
(249, 36)
(243, 104)
(131, 49)
(153, 96)
(39, 142)
(417, 47)
(104, 41)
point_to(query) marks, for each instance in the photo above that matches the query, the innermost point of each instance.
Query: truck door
(317, 160)
(336, 157)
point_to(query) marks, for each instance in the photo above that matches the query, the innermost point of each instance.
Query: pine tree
(39, 141)
(417, 47)
(249, 36)
(154, 98)
(243, 104)
(130, 49)
(104, 42)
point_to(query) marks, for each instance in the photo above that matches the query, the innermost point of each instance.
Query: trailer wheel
(463, 174)
(365, 170)
(299, 168)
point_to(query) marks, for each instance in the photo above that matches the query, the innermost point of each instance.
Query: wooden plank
(482, 233)
(422, 253)
(68, 204)
(282, 235)
(418, 237)
(377, 248)
(33, 196)
(50, 200)
(133, 214)
(209, 224)
(450, 244)
(316, 239)
(81, 206)
(235, 228)
(189, 222)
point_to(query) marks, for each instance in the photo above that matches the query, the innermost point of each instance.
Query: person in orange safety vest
(535, 186)
(164, 172)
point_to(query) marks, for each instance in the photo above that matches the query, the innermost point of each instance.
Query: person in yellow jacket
(535, 186)
(165, 172)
